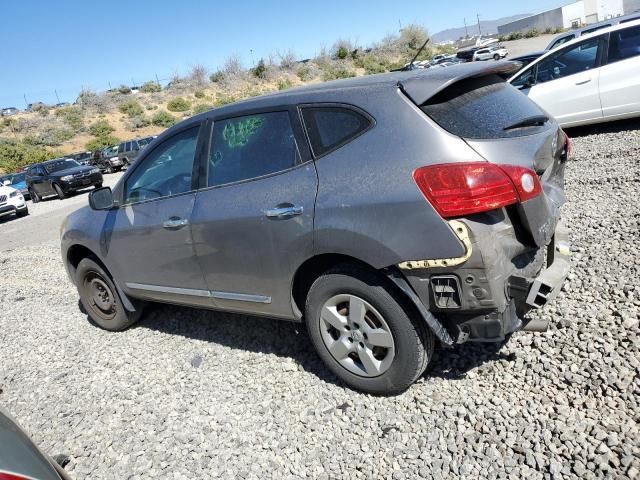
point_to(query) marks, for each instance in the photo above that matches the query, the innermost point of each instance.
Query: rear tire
(34, 196)
(364, 331)
(59, 192)
(496, 57)
(100, 298)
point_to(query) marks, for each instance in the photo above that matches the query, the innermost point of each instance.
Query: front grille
(3, 199)
(446, 291)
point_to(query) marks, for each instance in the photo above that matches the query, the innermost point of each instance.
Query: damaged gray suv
(386, 213)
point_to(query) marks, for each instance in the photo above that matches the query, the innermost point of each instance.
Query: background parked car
(495, 52)
(83, 158)
(12, 202)
(16, 180)
(20, 458)
(107, 159)
(594, 78)
(8, 111)
(573, 34)
(128, 150)
(60, 177)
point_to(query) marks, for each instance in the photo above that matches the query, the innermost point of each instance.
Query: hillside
(100, 119)
(488, 27)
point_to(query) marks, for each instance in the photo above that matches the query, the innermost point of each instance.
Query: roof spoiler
(427, 83)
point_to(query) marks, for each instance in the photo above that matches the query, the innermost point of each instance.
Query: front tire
(22, 213)
(98, 185)
(34, 196)
(496, 57)
(59, 192)
(100, 298)
(364, 331)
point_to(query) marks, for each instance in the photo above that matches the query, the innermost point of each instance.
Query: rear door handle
(284, 211)
(582, 82)
(175, 223)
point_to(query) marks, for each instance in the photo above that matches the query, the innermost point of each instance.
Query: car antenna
(410, 67)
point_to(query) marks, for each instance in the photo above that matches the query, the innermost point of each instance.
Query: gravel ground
(193, 394)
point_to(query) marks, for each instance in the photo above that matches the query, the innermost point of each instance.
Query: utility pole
(466, 31)
(25, 100)
(157, 81)
(253, 63)
(478, 17)
(56, 92)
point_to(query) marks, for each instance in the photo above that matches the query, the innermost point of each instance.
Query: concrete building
(573, 15)
(631, 6)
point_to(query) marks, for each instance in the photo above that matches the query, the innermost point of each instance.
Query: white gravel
(194, 394)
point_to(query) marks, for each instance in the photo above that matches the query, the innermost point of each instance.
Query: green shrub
(304, 73)
(54, 136)
(72, 117)
(102, 142)
(178, 104)
(216, 77)
(515, 36)
(41, 109)
(14, 155)
(372, 64)
(342, 53)
(284, 83)
(163, 119)
(260, 70)
(199, 94)
(124, 89)
(532, 33)
(223, 99)
(139, 121)
(201, 107)
(100, 128)
(131, 108)
(332, 72)
(150, 87)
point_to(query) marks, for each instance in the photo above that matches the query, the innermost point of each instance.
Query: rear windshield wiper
(533, 121)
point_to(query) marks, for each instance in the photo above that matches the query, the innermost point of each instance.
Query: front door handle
(175, 223)
(582, 82)
(285, 211)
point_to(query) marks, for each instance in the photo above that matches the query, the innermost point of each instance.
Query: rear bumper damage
(485, 295)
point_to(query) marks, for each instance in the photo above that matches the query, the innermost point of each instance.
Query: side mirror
(6, 183)
(101, 199)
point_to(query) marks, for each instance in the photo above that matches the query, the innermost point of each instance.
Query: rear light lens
(457, 189)
(11, 476)
(567, 144)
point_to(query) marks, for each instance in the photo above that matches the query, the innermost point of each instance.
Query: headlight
(95, 170)
(14, 194)
(66, 178)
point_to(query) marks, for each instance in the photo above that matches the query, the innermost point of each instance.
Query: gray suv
(385, 212)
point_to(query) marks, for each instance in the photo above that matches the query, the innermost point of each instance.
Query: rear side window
(252, 146)
(624, 44)
(121, 148)
(483, 108)
(331, 127)
(560, 41)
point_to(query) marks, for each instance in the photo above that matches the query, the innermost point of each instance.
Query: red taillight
(456, 189)
(11, 476)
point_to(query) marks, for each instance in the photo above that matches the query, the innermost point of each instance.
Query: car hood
(73, 171)
(6, 190)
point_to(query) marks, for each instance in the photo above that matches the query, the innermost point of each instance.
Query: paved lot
(194, 394)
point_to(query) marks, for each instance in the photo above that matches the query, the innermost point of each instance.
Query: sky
(50, 47)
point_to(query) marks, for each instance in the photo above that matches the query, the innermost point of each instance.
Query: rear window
(482, 109)
(331, 127)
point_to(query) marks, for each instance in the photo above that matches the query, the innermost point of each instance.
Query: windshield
(58, 165)
(111, 150)
(17, 178)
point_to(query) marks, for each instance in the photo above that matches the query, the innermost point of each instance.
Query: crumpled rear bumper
(546, 286)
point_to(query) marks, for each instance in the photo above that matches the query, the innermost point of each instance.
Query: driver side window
(579, 58)
(166, 171)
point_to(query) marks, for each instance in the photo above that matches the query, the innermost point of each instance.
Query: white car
(594, 78)
(495, 52)
(12, 201)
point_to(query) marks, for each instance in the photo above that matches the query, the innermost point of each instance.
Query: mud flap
(436, 327)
